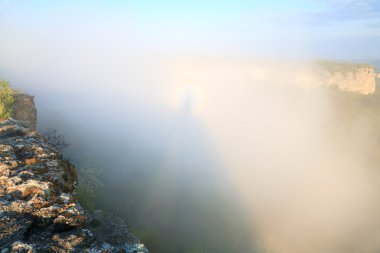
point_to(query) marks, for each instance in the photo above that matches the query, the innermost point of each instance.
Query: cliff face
(38, 210)
(359, 78)
(24, 110)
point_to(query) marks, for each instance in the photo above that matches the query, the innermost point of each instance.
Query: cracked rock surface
(38, 211)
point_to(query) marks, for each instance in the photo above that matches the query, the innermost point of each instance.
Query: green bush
(197, 248)
(89, 186)
(6, 100)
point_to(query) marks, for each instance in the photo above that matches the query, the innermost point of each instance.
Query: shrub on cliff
(6, 100)
(197, 248)
(57, 141)
(89, 186)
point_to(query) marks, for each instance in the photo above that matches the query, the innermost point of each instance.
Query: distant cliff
(359, 78)
(38, 209)
(351, 77)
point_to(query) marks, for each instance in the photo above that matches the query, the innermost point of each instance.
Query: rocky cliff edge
(38, 211)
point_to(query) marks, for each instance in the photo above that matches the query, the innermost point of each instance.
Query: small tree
(57, 141)
(89, 184)
(6, 100)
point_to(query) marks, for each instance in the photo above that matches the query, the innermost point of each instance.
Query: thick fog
(292, 176)
(204, 142)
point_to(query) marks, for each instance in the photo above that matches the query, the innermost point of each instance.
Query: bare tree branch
(57, 141)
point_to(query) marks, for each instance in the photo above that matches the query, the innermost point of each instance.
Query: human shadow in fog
(179, 198)
(161, 172)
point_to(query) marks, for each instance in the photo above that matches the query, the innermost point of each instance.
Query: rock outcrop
(38, 210)
(24, 109)
(351, 77)
(359, 78)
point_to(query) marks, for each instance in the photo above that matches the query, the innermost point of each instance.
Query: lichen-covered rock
(38, 212)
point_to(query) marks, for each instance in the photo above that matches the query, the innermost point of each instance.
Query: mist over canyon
(209, 156)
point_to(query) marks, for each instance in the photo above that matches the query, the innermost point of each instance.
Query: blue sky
(309, 28)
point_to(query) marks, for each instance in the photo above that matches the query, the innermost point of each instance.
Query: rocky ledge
(38, 211)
